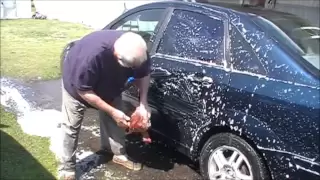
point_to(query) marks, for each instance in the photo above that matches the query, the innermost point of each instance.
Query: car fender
(241, 124)
(254, 131)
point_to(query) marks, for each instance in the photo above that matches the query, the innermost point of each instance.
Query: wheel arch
(213, 129)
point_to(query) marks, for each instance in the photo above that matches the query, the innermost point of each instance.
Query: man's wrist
(112, 111)
(143, 104)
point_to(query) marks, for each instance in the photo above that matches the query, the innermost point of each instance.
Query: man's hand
(121, 118)
(93, 99)
(146, 114)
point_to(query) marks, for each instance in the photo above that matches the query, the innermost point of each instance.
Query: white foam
(40, 122)
(95, 130)
(308, 170)
(82, 154)
(295, 156)
(37, 122)
(34, 121)
(11, 97)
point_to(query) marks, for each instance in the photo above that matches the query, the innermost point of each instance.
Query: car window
(143, 22)
(243, 57)
(296, 33)
(193, 35)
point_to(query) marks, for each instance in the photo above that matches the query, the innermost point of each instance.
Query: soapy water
(42, 123)
(45, 123)
(36, 121)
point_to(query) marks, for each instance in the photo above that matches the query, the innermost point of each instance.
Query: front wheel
(228, 157)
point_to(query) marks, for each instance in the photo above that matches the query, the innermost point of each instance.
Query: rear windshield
(297, 33)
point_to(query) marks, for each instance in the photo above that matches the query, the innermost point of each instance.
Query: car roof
(225, 7)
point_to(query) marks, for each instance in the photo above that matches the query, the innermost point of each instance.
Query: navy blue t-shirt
(91, 65)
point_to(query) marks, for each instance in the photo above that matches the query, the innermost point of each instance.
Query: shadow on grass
(17, 162)
(3, 126)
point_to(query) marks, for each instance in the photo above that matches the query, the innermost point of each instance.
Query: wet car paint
(276, 109)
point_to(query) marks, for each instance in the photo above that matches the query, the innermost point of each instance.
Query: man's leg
(73, 113)
(113, 137)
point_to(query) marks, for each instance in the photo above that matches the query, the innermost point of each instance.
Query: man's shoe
(124, 161)
(66, 175)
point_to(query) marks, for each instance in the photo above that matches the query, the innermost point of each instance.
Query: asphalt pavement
(159, 160)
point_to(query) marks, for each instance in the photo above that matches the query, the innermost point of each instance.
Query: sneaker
(124, 161)
(66, 175)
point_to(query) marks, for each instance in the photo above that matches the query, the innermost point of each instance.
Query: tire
(252, 165)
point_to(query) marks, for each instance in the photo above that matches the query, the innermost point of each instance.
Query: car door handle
(204, 80)
(160, 73)
(207, 81)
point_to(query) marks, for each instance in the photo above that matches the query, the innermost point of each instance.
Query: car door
(188, 70)
(145, 22)
(245, 73)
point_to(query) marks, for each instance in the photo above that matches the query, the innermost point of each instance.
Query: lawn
(30, 49)
(23, 156)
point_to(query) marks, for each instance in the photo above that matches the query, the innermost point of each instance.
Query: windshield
(296, 33)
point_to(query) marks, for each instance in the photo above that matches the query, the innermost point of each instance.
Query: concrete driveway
(160, 161)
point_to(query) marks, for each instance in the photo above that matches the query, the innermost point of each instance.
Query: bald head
(130, 49)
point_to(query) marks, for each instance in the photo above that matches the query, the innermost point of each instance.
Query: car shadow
(155, 157)
(158, 155)
(17, 162)
(160, 160)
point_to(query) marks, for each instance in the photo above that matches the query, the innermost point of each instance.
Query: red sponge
(137, 126)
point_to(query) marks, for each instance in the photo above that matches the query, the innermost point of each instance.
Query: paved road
(160, 161)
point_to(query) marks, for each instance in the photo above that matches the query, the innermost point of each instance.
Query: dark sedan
(235, 88)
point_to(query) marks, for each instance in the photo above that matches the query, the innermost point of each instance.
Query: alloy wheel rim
(228, 163)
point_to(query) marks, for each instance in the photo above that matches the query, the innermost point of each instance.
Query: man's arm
(88, 76)
(94, 100)
(143, 85)
(142, 76)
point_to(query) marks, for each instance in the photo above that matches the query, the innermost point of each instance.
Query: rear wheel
(228, 157)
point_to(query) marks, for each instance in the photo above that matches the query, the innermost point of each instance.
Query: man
(95, 70)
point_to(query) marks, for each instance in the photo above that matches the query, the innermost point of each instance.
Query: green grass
(31, 48)
(23, 156)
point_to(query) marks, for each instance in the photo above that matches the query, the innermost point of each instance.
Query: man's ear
(115, 54)
(117, 58)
